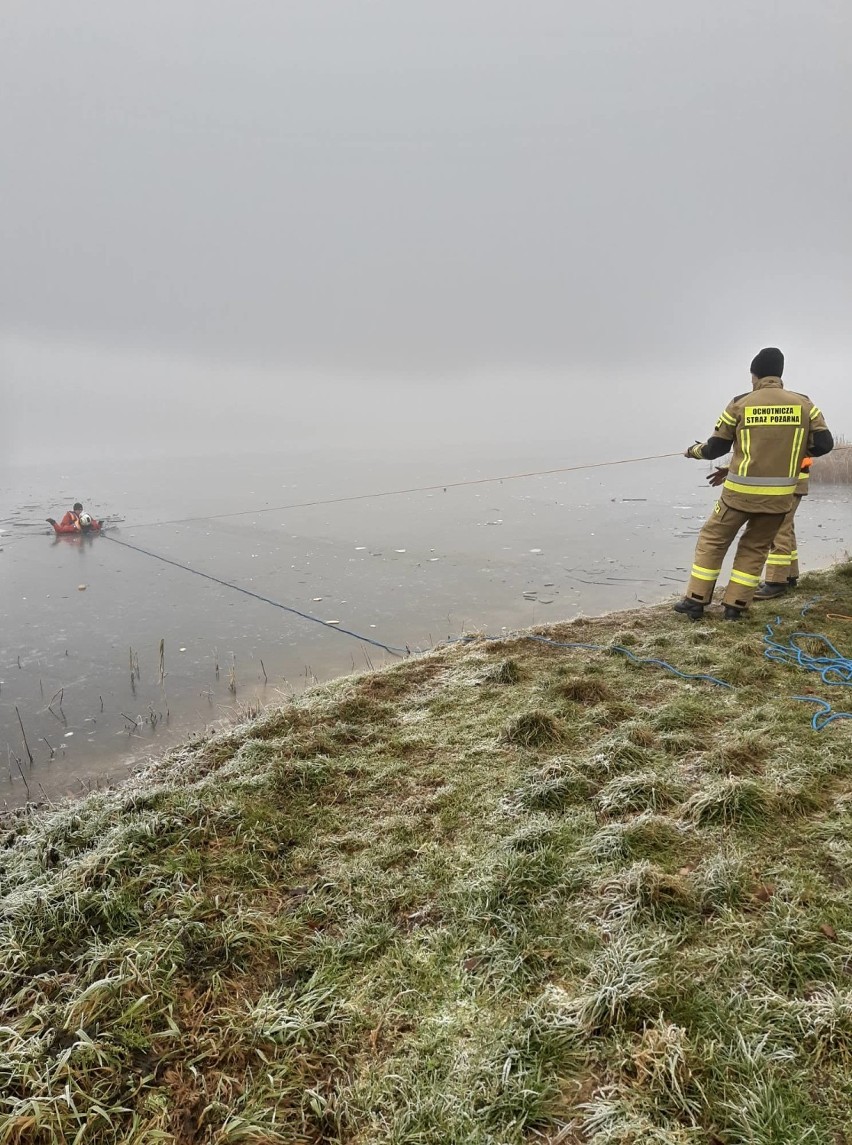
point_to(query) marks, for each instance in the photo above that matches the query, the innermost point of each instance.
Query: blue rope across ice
(264, 599)
(833, 668)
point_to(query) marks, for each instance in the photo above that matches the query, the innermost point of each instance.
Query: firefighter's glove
(717, 477)
(694, 451)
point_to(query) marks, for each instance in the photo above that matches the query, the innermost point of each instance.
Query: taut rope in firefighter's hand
(443, 486)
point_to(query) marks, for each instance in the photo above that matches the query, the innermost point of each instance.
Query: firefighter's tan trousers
(715, 539)
(783, 559)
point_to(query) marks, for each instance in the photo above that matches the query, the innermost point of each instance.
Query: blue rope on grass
(641, 660)
(833, 668)
(817, 722)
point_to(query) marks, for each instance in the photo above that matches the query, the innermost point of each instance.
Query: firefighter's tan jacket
(772, 432)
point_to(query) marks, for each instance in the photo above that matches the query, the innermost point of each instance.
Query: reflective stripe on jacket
(771, 430)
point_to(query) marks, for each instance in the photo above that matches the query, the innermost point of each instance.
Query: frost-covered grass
(502, 894)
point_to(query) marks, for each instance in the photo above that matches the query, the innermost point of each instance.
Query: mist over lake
(288, 253)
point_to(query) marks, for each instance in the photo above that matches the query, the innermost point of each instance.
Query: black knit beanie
(769, 363)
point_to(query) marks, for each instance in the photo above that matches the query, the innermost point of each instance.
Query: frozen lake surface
(404, 571)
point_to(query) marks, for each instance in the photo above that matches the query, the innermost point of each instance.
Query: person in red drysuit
(75, 521)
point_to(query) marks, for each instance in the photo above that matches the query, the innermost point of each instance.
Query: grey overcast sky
(380, 211)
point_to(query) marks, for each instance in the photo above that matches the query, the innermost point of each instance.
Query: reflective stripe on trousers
(717, 535)
(783, 559)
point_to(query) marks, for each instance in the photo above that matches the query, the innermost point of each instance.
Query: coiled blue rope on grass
(833, 668)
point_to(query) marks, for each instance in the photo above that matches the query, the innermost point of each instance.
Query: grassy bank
(505, 893)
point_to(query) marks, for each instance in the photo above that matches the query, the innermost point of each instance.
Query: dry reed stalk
(24, 736)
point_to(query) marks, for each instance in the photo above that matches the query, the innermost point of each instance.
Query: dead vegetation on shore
(506, 893)
(836, 467)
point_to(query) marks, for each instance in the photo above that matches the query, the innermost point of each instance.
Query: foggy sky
(228, 219)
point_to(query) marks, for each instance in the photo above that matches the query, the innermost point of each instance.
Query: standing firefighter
(771, 430)
(782, 564)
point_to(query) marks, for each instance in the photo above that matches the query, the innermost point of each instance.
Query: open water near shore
(410, 571)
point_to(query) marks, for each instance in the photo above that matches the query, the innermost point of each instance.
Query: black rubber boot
(694, 609)
(770, 591)
(732, 612)
(792, 581)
